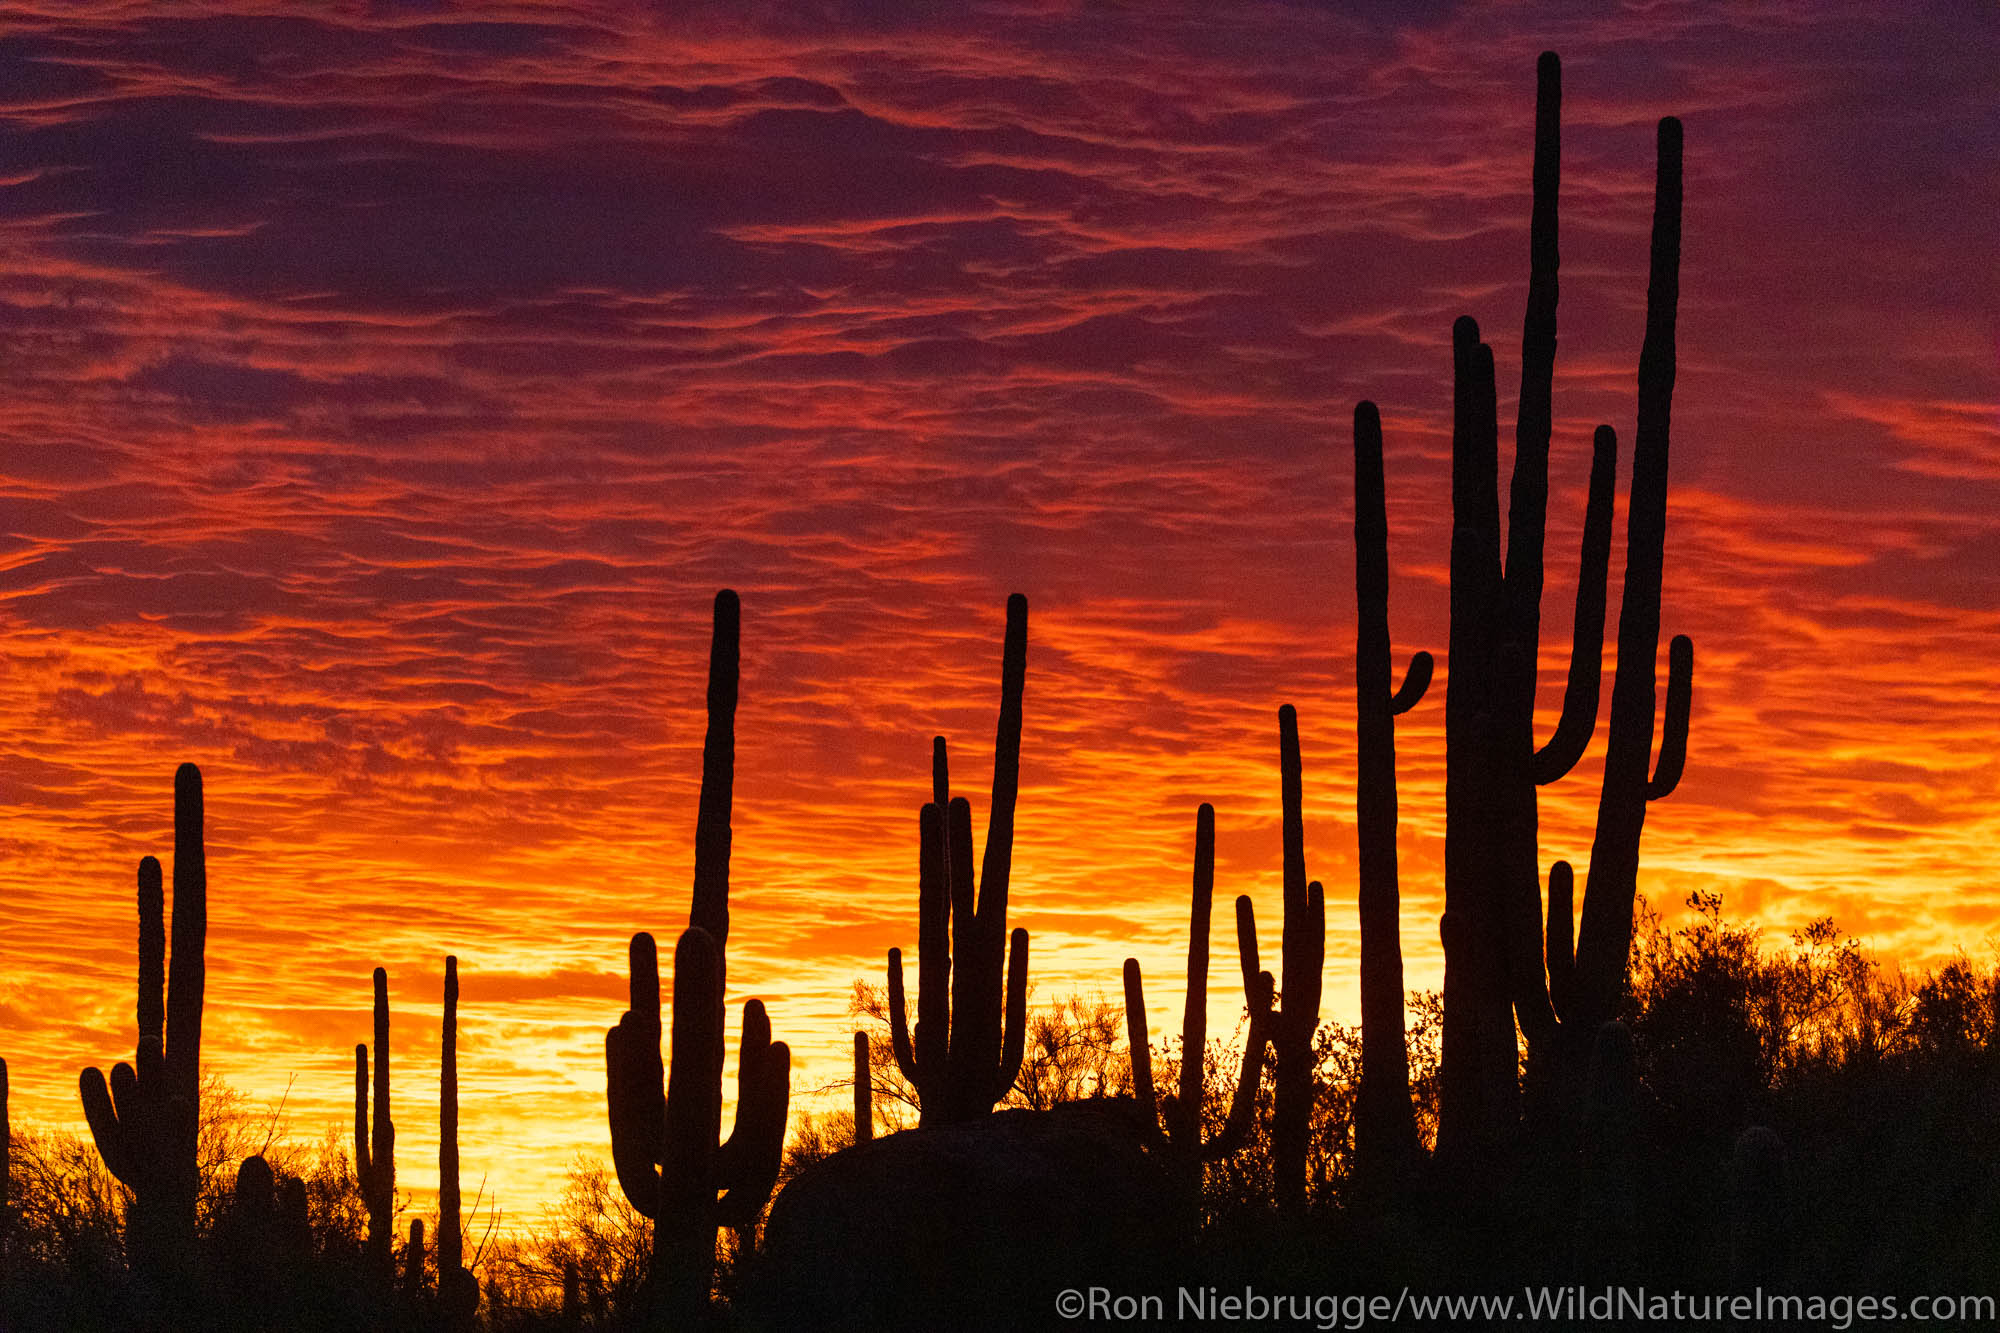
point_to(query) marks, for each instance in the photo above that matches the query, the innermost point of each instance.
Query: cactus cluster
(970, 1039)
(665, 1132)
(145, 1122)
(1179, 1122)
(1505, 960)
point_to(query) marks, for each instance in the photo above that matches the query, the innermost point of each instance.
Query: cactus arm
(1246, 947)
(1014, 1038)
(932, 1049)
(1586, 653)
(899, 1022)
(1560, 947)
(940, 773)
(746, 1165)
(1416, 680)
(633, 1074)
(363, 1167)
(1674, 731)
(105, 1130)
(718, 774)
(759, 1138)
(152, 953)
(864, 1091)
(997, 866)
(1315, 952)
(967, 993)
(1194, 1011)
(1243, 1105)
(1139, 1045)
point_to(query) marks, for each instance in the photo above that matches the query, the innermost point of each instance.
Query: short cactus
(1180, 1116)
(970, 1035)
(864, 1091)
(145, 1122)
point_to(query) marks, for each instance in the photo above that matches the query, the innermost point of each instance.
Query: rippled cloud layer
(389, 387)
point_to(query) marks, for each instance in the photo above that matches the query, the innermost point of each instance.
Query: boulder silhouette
(979, 1224)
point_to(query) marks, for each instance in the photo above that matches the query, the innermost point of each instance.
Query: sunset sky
(389, 388)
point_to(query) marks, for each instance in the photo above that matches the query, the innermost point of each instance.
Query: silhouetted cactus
(1504, 961)
(1180, 1116)
(1385, 1123)
(413, 1260)
(145, 1123)
(458, 1290)
(6, 1174)
(375, 1151)
(247, 1237)
(664, 1139)
(1295, 1018)
(1759, 1225)
(864, 1091)
(967, 1052)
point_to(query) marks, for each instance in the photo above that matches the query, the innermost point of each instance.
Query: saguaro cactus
(1301, 962)
(1385, 1123)
(458, 1290)
(375, 1152)
(6, 1174)
(145, 1122)
(1503, 962)
(967, 1053)
(864, 1091)
(664, 1139)
(1180, 1117)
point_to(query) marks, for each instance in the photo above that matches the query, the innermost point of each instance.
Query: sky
(388, 388)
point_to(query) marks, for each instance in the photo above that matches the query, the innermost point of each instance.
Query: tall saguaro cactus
(458, 1290)
(6, 1174)
(1504, 960)
(967, 1052)
(1385, 1124)
(664, 1139)
(146, 1121)
(1180, 1119)
(375, 1147)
